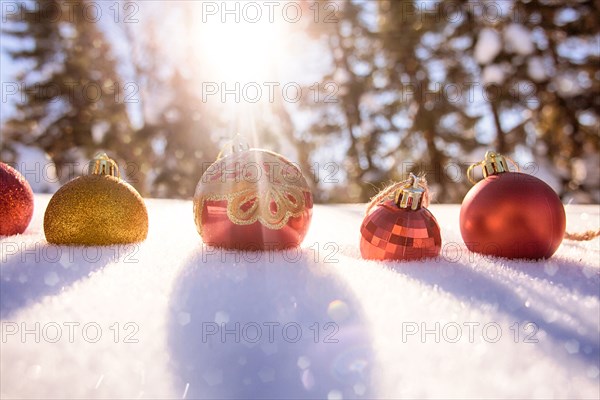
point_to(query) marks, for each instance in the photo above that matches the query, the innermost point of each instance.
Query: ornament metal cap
(236, 144)
(411, 195)
(103, 165)
(492, 164)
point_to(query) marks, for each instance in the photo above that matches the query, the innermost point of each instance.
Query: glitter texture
(16, 201)
(96, 210)
(393, 233)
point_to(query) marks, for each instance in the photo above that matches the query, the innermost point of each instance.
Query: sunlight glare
(240, 51)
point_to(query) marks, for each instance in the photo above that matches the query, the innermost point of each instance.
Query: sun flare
(239, 51)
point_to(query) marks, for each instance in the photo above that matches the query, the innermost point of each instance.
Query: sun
(239, 51)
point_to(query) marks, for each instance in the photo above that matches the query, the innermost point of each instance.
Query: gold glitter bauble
(96, 209)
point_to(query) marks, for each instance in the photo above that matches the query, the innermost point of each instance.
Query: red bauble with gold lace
(16, 201)
(253, 200)
(401, 229)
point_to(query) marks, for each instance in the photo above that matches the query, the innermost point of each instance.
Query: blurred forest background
(388, 87)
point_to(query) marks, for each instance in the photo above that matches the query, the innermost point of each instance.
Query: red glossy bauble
(394, 233)
(16, 201)
(253, 200)
(512, 215)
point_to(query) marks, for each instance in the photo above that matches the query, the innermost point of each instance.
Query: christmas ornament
(16, 201)
(402, 228)
(96, 209)
(252, 199)
(511, 214)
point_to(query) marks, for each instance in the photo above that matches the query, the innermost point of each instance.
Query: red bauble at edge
(512, 215)
(16, 201)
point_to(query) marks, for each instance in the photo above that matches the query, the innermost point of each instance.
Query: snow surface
(174, 291)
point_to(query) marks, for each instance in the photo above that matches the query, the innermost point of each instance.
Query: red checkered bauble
(401, 229)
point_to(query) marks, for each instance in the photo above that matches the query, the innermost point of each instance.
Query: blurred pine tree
(425, 65)
(406, 86)
(72, 97)
(550, 81)
(340, 116)
(176, 125)
(430, 85)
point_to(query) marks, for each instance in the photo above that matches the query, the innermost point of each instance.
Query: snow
(536, 69)
(493, 74)
(518, 39)
(488, 46)
(342, 327)
(567, 84)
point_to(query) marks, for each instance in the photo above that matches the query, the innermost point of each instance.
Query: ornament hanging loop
(237, 143)
(103, 165)
(493, 164)
(470, 172)
(410, 193)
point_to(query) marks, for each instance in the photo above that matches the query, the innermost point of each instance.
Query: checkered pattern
(393, 233)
